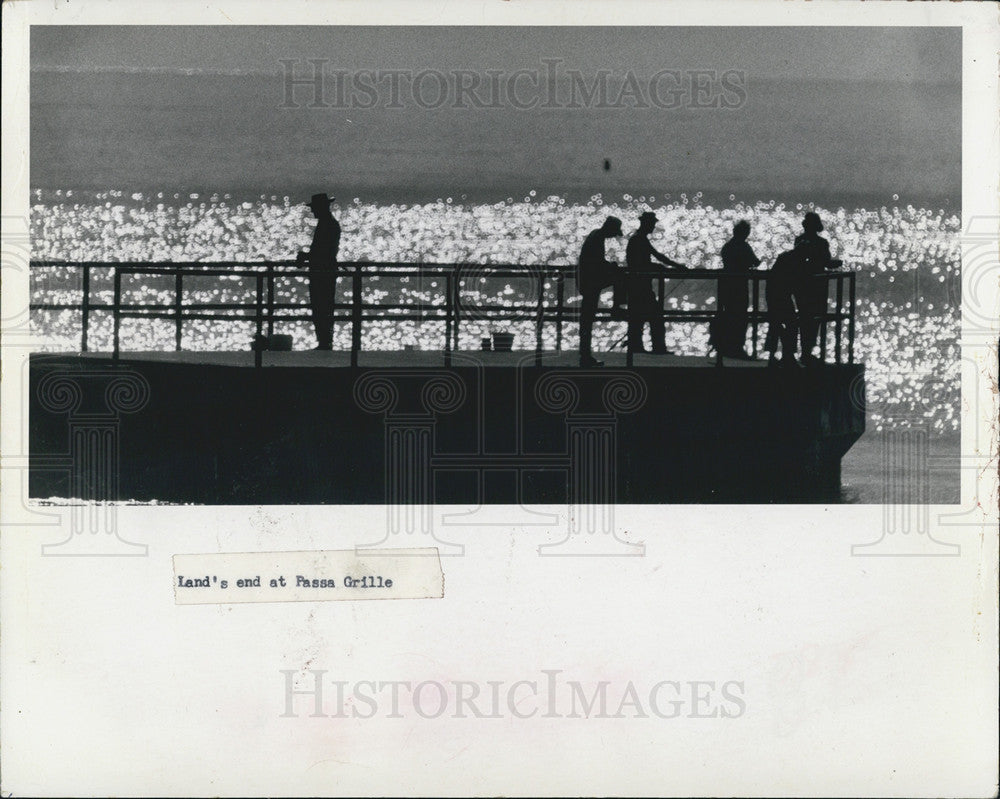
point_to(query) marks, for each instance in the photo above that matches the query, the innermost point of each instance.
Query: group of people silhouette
(794, 278)
(795, 293)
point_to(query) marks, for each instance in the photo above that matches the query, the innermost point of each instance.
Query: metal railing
(549, 308)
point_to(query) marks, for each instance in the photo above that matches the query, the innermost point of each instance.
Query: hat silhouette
(648, 215)
(812, 222)
(320, 200)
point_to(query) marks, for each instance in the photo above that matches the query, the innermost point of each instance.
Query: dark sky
(894, 54)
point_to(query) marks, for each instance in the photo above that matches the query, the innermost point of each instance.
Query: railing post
(560, 300)
(539, 317)
(258, 346)
(850, 318)
(356, 316)
(820, 321)
(629, 355)
(661, 299)
(178, 301)
(754, 313)
(456, 305)
(838, 330)
(718, 305)
(116, 311)
(85, 307)
(270, 300)
(447, 318)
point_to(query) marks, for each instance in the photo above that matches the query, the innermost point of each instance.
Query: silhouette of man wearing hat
(322, 261)
(810, 292)
(643, 306)
(595, 273)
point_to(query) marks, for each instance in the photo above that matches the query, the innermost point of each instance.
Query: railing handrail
(524, 269)
(268, 271)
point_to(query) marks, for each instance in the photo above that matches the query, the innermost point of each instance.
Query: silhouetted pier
(447, 425)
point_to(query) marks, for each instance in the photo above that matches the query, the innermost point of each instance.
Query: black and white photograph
(644, 353)
(500, 265)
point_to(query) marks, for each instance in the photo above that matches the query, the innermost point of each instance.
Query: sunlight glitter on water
(908, 260)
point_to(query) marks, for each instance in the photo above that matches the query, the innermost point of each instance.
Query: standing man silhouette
(811, 291)
(643, 306)
(594, 273)
(322, 261)
(781, 322)
(738, 258)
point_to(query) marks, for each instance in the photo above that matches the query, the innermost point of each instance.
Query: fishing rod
(624, 338)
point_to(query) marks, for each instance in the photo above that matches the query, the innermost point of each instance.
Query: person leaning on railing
(594, 273)
(643, 305)
(782, 326)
